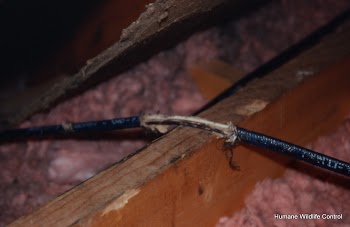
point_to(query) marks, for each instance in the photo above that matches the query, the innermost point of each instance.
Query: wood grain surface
(162, 25)
(184, 178)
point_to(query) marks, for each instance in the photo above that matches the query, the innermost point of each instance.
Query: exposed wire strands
(159, 123)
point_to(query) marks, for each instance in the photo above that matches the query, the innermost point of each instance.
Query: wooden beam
(184, 178)
(201, 188)
(164, 23)
(214, 77)
(95, 33)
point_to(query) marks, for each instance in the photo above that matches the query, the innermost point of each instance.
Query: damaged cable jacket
(294, 151)
(227, 131)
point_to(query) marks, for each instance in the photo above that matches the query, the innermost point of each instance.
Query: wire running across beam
(160, 123)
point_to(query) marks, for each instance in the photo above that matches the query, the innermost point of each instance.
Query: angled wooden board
(162, 25)
(184, 178)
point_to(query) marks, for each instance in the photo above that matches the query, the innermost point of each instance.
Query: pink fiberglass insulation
(298, 193)
(34, 172)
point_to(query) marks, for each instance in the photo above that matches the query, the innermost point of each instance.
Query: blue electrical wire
(70, 128)
(244, 135)
(294, 151)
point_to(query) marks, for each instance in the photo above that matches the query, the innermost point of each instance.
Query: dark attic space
(64, 61)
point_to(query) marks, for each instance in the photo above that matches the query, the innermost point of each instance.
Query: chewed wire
(228, 132)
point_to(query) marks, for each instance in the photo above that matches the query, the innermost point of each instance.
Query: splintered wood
(180, 178)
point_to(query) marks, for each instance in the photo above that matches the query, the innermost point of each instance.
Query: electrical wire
(69, 128)
(244, 135)
(285, 56)
(157, 122)
(292, 150)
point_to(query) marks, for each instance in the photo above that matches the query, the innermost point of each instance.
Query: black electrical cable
(244, 135)
(285, 56)
(294, 151)
(70, 128)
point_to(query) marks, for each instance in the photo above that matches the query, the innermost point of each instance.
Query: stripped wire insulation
(160, 123)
